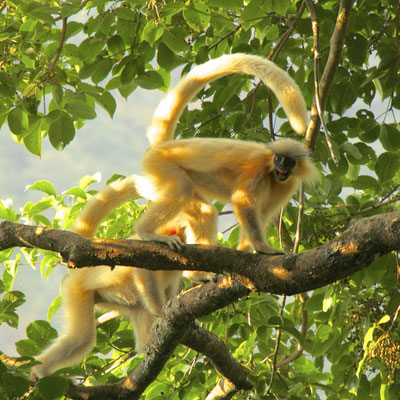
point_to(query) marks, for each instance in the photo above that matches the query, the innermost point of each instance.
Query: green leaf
(40, 332)
(253, 10)
(370, 131)
(350, 148)
(10, 318)
(43, 186)
(116, 45)
(80, 109)
(39, 207)
(106, 101)
(125, 13)
(14, 386)
(54, 306)
(33, 142)
(17, 121)
(389, 135)
(103, 68)
(52, 387)
(13, 299)
(174, 38)
(151, 80)
(129, 72)
(61, 130)
(7, 213)
(76, 192)
(43, 14)
(364, 182)
(357, 49)
(165, 57)
(87, 180)
(90, 48)
(387, 165)
(152, 31)
(280, 6)
(27, 348)
(197, 15)
(226, 3)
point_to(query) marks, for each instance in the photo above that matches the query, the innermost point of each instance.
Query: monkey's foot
(172, 241)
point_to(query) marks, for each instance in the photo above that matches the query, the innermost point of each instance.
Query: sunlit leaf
(61, 130)
(387, 165)
(43, 186)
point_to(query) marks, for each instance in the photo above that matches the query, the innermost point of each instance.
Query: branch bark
(364, 241)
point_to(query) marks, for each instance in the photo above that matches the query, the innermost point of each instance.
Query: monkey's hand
(172, 241)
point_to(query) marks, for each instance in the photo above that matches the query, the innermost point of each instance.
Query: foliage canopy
(59, 60)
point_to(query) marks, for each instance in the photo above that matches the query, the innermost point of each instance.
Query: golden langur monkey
(257, 178)
(133, 292)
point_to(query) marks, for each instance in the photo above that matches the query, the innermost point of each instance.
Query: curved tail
(109, 198)
(169, 110)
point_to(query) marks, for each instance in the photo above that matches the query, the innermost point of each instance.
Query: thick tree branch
(214, 348)
(364, 241)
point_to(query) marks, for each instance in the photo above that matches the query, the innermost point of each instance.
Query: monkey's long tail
(110, 197)
(169, 110)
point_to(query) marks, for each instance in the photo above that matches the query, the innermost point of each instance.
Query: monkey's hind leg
(202, 228)
(142, 321)
(80, 330)
(174, 191)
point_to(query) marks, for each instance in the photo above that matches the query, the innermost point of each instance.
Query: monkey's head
(283, 166)
(291, 159)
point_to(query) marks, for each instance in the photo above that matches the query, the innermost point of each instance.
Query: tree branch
(364, 241)
(335, 53)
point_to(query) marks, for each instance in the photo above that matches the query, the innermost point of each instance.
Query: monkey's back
(210, 154)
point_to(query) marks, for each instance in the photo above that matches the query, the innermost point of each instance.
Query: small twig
(370, 208)
(276, 349)
(315, 50)
(299, 220)
(304, 327)
(278, 47)
(60, 47)
(232, 32)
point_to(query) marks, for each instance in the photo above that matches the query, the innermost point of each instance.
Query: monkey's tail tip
(298, 124)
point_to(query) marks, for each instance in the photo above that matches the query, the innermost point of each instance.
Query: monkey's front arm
(250, 221)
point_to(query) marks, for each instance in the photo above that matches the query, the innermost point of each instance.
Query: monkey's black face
(283, 167)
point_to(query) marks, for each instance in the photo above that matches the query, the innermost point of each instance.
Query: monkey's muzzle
(281, 175)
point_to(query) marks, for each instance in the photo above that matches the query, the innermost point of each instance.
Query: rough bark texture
(364, 241)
